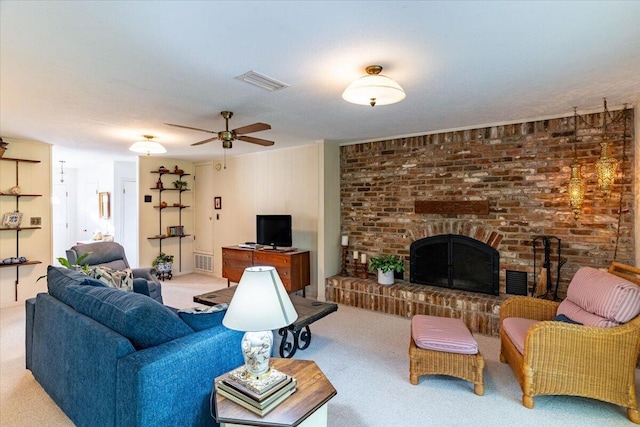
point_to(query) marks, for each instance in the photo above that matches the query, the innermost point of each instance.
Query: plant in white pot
(163, 262)
(386, 265)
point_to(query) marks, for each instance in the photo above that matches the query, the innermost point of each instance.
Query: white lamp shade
(383, 89)
(147, 147)
(260, 302)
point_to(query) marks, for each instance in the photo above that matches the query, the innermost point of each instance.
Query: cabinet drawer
(232, 274)
(273, 259)
(237, 254)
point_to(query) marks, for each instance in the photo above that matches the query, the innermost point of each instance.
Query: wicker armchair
(567, 359)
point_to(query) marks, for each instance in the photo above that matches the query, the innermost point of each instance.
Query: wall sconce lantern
(576, 184)
(606, 166)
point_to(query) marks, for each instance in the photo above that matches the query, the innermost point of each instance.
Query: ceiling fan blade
(256, 140)
(256, 127)
(189, 127)
(205, 141)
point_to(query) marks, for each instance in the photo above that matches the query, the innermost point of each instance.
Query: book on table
(249, 406)
(256, 386)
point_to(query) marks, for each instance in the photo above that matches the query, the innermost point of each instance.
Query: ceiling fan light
(374, 89)
(147, 146)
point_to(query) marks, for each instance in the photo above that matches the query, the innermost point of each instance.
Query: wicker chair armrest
(551, 345)
(528, 308)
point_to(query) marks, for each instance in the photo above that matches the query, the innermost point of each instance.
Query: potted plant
(386, 265)
(163, 262)
(179, 184)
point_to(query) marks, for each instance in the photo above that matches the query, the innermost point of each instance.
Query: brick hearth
(480, 312)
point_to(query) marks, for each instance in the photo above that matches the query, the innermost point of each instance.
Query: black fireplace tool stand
(546, 289)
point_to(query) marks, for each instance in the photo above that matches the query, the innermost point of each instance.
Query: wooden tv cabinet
(293, 267)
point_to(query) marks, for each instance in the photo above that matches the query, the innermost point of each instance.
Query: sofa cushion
(442, 334)
(144, 321)
(58, 278)
(203, 318)
(604, 294)
(119, 279)
(516, 329)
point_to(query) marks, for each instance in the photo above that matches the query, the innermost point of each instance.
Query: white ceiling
(100, 74)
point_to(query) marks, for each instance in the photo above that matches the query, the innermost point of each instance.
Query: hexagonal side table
(307, 407)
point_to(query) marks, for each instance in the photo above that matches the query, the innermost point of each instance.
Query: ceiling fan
(228, 136)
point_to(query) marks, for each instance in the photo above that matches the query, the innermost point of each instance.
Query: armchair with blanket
(111, 254)
(587, 345)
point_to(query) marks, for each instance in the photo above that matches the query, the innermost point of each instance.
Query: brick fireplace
(518, 172)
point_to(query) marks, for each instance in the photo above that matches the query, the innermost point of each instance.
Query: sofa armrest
(148, 273)
(170, 384)
(30, 310)
(528, 308)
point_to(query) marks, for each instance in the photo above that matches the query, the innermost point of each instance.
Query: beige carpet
(364, 355)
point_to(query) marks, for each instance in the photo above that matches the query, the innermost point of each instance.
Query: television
(273, 230)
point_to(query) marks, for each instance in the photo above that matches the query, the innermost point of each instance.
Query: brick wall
(521, 169)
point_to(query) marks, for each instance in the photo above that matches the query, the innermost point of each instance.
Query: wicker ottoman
(444, 346)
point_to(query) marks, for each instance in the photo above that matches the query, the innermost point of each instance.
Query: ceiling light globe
(374, 89)
(147, 147)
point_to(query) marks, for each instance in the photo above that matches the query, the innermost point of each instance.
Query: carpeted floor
(364, 355)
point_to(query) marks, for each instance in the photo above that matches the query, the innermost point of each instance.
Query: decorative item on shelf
(3, 147)
(14, 260)
(363, 262)
(97, 235)
(15, 190)
(180, 185)
(159, 184)
(176, 205)
(259, 305)
(386, 265)
(147, 146)
(163, 204)
(576, 184)
(162, 169)
(606, 165)
(12, 219)
(344, 243)
(178, 170)
(107, 238)
(374, 89)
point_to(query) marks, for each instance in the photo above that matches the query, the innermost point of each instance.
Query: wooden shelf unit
(17, 230)
(292, 267)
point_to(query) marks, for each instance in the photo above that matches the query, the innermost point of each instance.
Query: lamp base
(256, 350)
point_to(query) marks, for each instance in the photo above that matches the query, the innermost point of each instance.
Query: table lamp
(260, 304)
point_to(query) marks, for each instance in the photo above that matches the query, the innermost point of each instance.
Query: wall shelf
(160, 188)
(17, 230)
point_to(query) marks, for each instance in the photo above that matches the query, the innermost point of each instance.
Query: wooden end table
(307, 407)
(296, 336)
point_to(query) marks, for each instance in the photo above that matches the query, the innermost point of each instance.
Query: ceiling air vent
(262, 81)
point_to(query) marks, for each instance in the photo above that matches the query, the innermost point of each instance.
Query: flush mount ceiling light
(147, 146)
(374, 89)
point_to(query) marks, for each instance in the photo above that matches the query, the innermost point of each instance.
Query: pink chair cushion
(516, 329)
(604, 294)
(442, 334)
(577, 314)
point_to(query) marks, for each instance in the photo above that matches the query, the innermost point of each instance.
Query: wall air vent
(262, 81)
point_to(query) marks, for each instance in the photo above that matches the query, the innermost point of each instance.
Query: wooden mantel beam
(452, 207)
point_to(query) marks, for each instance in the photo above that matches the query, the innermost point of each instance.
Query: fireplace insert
(456, 262)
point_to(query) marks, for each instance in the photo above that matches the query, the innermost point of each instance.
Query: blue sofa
(113, 358)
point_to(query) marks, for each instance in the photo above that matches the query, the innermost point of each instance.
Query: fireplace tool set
(543, 286)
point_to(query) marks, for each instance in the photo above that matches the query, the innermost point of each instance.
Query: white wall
(282, 181)
(34, 178)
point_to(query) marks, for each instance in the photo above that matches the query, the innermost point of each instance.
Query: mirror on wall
(104, 204)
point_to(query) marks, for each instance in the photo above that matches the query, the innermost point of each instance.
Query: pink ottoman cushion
(442, 334)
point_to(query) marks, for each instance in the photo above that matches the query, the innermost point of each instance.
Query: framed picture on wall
(104, 200)
(217, 202)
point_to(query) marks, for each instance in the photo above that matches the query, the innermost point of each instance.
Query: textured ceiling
(99, 75)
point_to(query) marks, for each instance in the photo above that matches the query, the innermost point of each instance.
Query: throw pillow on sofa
(203, 318)
(119, 279)
(143, 320)
(59, 278)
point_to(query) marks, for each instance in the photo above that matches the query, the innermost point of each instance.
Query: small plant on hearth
(386, 263)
